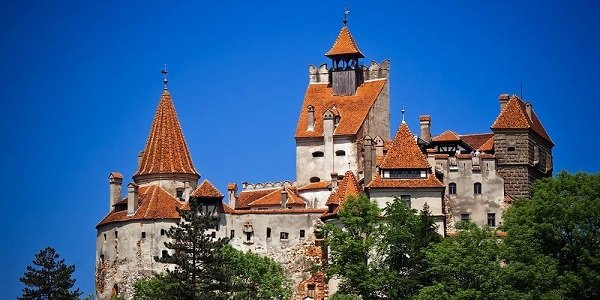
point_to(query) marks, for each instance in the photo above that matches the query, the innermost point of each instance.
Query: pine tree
(50, 278)
(196, 256)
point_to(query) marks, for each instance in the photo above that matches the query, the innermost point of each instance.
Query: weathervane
(164, 72)
(346, 12)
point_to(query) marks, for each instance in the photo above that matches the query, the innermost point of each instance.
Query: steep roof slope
(166, 151)
(514, 116)
(404, 153)
(206, 190)
(352, 110)
(344, 45)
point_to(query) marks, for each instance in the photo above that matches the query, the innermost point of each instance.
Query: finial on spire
(403, 121)
(164, 72)
(346, 12)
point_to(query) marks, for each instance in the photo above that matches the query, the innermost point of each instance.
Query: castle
(343, 147)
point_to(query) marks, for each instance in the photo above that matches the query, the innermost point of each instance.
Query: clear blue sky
(81, 80)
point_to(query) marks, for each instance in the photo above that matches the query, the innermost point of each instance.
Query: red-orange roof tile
(413, 183)
(488, 145)
(206, 190)
(248, 196)
(404, 152)
(315, 186)
(344, 45)
(271, 211)
(116, 175)
(166, 151)
(353, 109)
(447, 136)
(274, 199)
(475, 141)
(441, 156)
(514, 116)
(425, 118)
(347, 187)
(232, 186)
(154, 203)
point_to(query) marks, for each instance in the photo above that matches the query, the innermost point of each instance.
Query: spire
(166, 151)
(403, 121)
(164, 72)
(346, 13)
(344, 45)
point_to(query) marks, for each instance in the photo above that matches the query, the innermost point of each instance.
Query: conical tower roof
(404, 153)
(344, 45)
(166, 151)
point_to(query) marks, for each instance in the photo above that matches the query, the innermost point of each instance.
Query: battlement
(374, 71)
(246, 186)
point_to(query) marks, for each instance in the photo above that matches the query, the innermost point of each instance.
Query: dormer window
(404, 174)
(179, 194)
(318, 154)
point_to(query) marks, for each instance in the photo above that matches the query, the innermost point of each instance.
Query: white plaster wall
(308, 166)
(315, 198)
(123, 259)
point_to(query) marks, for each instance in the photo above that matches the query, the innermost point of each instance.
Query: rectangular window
(465, 217)
(284, 236)
(302, 233)
(162, 232)
(116, 234)
(268, 232)
(213, 234)
(143, 234)
(491, 219)
(180, 194)
(405, 199)
(232, 234)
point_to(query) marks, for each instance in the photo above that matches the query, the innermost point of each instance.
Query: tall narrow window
(491, 219)
(452, 188)
(213, 234)
(116, 234)
(268, 233)
(179, 194)
(143, 234)
(232, 234)
(302, 233)
(477, 188)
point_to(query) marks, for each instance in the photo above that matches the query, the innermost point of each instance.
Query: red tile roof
(348, 187)
(447, 136)
(116, 175)
(410, 183)
(488, 145)
(353, 109)
(315, 186)
(404, 153)
(166, 151)
(344, 45)
(425, 118)
(274, 199)
(154, 203)
(275, 211)
(206, 190)
(475, 141)
(514, 116)
(248, 196)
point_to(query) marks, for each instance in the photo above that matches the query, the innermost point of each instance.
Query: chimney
(115, 181)
(425, 121)
(311, 118)
(503, 99)
(328, 128)
(187, 190)
(528, 109)
(132, 198)
(378, 141)
(284, 198)
(231, 191)
(334, 180)
(140, 155)
(369, 157)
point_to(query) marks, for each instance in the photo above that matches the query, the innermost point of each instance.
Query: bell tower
(345, 74)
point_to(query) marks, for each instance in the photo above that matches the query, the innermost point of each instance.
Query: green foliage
(251, 276)
(557, 233)
(50, 278)
(353, 249)
(341, 296)
(158, 287)
(405, 236)
(208, 268)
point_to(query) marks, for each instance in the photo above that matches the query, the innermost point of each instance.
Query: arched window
(452, 188)
(340, 153)
(315, 179)
(477, 188)
(318, 154)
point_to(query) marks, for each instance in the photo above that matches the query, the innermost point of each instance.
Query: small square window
(284, 236)
(165, 253)
(465, 217)
(162, 232)
(405, 199)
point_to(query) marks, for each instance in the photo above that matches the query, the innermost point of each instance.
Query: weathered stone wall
(124, 256)
(465, 201)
